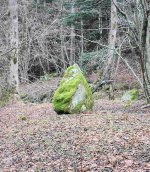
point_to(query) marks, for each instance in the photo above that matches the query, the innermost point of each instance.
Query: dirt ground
(112, 138)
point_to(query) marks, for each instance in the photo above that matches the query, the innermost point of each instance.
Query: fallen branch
(100, 84)
(6, 52)
(145, 106)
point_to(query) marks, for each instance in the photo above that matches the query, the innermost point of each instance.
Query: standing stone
(73, 94)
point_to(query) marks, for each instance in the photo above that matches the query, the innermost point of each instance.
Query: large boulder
(73, 94)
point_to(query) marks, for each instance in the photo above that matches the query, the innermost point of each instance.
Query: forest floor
(112, 138)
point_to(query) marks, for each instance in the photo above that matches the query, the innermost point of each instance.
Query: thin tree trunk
(37, 4)
(72, 47)
(112, 40)
(62, 39)
(148, 52)
(100, 21)
(44, 3)
(82, 37)
(13, 80)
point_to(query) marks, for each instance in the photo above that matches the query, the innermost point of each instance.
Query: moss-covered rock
(130, 96)
(73, 94)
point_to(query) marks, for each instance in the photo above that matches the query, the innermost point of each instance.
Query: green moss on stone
(67, 88)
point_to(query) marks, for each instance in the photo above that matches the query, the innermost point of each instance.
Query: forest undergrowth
(112, 138)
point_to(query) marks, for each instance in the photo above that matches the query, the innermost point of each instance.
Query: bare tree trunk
(72, 35)
(62, 39)
(13, 80)
(148, 52)
(37, 4)
(100, 21)
(112, 41)
(147, 61)
(44, 3)
(145, 38)
(82, 37)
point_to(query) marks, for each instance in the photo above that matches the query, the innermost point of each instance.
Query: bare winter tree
(137, 16)
(13, 80)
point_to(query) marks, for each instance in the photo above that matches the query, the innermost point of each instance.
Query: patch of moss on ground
(130, 96)
(66, 90)
(5, 98)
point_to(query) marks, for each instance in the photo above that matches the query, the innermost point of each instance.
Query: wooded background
(40, 37)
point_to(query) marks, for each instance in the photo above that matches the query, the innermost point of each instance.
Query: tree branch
(6, 52)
